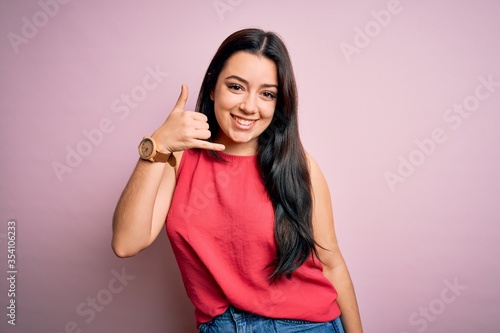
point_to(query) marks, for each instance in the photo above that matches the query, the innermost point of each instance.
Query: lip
(233, 115)
(242, 126)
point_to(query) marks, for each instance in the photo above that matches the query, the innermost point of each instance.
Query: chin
(241, 139)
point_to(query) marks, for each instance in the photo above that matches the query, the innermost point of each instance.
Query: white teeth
(243, 122)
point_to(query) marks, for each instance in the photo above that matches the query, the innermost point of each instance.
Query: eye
(234, 86)
(269, 95)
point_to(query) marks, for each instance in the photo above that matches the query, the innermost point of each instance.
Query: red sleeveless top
(221, 228)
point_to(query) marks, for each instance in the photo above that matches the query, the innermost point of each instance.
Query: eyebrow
(236, 77)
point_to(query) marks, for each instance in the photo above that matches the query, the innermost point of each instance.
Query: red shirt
(221, 228)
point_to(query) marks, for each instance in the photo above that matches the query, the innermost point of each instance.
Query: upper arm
(165, 194)
(322, 218)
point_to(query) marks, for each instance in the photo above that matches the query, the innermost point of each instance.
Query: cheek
(224, 99)
(267, 111)
(267, 118)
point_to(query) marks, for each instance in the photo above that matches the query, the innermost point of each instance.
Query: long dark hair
(281, 156)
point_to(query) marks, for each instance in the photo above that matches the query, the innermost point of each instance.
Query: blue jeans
(239, 321)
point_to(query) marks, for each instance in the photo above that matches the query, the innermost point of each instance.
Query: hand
(184, 129)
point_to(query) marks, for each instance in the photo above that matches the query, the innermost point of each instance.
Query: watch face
(146, 148)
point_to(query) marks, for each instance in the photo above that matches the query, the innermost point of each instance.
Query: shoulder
(311, 162)
(175, 160)
(314, 169)
(318, 180)
(322, 219)
(190, 159)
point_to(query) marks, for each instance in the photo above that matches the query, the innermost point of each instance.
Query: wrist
(150, 151)
(159, 139)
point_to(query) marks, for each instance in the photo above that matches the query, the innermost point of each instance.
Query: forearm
(144, 204)
(132, 220)
(346, 299)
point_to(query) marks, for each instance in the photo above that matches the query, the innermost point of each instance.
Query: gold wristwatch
(148, 151)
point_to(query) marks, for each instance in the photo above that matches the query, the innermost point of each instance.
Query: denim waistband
(235, 320)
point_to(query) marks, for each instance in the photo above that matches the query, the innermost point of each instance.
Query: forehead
(251, 67)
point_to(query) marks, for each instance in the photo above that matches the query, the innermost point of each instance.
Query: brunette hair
(281, 157)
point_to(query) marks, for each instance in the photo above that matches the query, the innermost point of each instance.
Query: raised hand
(184, 129)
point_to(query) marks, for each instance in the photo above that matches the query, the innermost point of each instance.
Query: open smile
(244, 122)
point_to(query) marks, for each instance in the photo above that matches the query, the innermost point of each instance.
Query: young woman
(248, 212)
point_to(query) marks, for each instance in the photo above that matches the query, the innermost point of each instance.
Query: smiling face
(244, 101)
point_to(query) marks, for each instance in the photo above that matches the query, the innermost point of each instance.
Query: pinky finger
(209, 145)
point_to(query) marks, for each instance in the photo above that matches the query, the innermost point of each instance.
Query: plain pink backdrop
(376, 78)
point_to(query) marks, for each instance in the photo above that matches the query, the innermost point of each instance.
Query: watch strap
(159, 157)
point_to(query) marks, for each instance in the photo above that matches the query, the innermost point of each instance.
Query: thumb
(182, 100)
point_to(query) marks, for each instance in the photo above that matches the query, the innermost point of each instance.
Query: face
(244, 100)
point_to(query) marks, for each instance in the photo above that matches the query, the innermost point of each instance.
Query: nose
(249, 105)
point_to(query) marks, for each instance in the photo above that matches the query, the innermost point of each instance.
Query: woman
(247, 211)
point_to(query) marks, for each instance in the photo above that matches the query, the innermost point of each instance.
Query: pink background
(361, 116)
